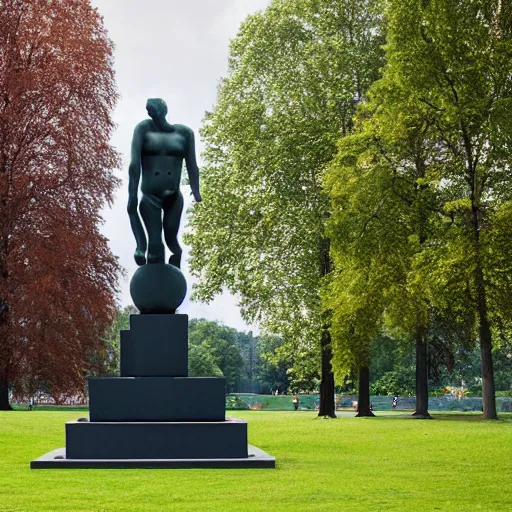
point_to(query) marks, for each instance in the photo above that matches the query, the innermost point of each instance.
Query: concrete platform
(56, 459)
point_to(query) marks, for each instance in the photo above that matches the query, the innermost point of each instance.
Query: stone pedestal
(157, 440)
(155, 346)
(157, 399)
(154, 415)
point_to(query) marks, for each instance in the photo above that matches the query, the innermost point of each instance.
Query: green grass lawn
(457, 462)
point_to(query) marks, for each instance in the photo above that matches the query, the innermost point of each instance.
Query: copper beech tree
(57, 274)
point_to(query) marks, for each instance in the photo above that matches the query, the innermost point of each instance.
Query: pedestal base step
(56, 459)
(157, 399)
(156, 440)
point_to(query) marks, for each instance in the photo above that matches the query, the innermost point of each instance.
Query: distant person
(295, 401)
(30, 403)
(395, 402)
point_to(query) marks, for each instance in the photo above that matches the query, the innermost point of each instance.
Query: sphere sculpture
(158, 288)
(158, 151)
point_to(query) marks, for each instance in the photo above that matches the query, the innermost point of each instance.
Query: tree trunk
(4, 310)
(421, 332)
(5, 356)
(488, 390)
(363, 397)
(326, 408)
(421, 375)
(4, 396)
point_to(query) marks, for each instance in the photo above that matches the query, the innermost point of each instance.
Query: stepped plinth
(154, 415)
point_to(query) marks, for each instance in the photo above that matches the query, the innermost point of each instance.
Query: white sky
(175, 50)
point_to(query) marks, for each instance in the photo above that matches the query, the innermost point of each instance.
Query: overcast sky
(175, 50)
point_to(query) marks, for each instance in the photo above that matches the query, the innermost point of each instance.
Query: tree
(201, 362)
(434, 152)
(272, 366)
(392, 366)
(382, 218)
(453, 60)
(249, 353)
(107, 362)
(221, 343)
(354, 294)
(57, 274)
(295, 74)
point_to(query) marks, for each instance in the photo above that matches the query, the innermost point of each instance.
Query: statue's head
(157, 108)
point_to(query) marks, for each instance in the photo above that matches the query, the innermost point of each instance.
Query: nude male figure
(158, 151)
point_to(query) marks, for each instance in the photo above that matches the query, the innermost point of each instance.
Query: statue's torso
(162, 162)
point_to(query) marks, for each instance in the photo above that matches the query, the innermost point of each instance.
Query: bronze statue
(158, 150)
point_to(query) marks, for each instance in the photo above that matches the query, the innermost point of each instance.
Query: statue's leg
(151, 211)
(173, 207)
(138, 231)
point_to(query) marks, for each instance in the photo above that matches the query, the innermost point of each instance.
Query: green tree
(248, 345)
(108, 362)
(295, 74)
(220, 342)
(437, 135)
(201, 362)
(273, 364)
(503, 366)
(453, 59)
(384, 355)
(392, 366)
(380, 220)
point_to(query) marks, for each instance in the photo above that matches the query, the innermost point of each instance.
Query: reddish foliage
(57, 275)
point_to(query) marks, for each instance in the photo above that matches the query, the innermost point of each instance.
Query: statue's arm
(135, 167)
(133, 187)
(193, 171)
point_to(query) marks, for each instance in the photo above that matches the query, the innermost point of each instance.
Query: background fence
(248, 401)
(237, 401)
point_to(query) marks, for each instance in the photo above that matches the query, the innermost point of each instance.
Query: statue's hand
(197, 196)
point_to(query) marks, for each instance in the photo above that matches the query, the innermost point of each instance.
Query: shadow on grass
(445, 416)
(468, 416)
